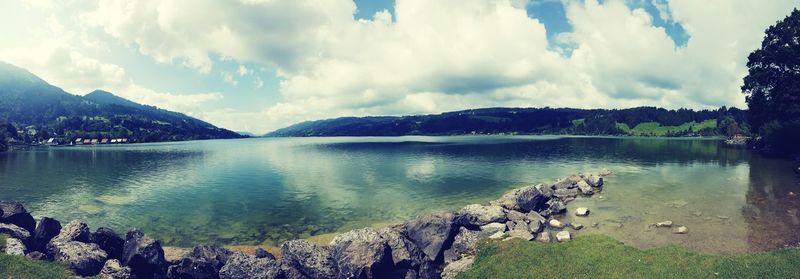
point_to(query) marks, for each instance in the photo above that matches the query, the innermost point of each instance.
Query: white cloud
(243, 71)
(228, 78)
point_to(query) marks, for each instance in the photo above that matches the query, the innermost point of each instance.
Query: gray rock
(465, 243)
(73, 231)
(594, 180)
(453, 269)
(242, 266)
(261, 253)
(565, 193)
(85, 259)
(664, 224)
(585, 188)
(523, 234)
(524, 199)
(563, 184)
(563, 236)
(545, 190)
(515, 216)
(36, 256)
(308, 258)
(576, 226)
(46, 230)
(113, 269)
(490, 229)
(405, 253)
(535, 217)
(431, 232)
(15, 247)
(543, 237)
(581, 211)
(361, 253)
(498, 235)
(143, 255)
(202, 262)
(555, 224)
(681, 230)
(556, 206)
(479, 215)
(109, 241)
(12, 212)
(14, 231)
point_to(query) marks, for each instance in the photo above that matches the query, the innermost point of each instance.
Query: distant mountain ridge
(43, 110)
(640, 121)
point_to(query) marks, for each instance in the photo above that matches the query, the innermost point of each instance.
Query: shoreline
(434, 245)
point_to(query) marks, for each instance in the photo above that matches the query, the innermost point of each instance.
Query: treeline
(524, 121)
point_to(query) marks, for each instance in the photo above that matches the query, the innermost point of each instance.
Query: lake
(268, 190)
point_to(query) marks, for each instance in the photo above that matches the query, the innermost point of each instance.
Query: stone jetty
(437, 245)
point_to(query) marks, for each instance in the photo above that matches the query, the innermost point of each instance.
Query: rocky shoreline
(438, 245)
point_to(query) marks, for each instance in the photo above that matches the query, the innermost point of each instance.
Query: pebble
(581, 211)
(681, 230)
(664, 224)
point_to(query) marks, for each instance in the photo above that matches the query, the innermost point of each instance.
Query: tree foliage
(772, 86)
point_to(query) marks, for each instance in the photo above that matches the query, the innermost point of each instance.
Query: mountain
(43, 110)
(641, 121)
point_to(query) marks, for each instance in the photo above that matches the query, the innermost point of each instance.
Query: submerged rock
(664, 224)
(308, 258)
(565, 193)
(681, 230)
(113, 269)
(563, 236)
(85, 259)
(479, 215)
(524, 199)
(242, 266)
(581, 211)
(46, 230)
(594, 180)
(14, 213)
(143, 255)
(15, 247)
(361, 253)
(14, 231)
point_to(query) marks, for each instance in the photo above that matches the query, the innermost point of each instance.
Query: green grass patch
(19, 267)
(655, 129)
(599, 256)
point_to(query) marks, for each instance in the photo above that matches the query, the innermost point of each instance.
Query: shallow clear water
(270, 190)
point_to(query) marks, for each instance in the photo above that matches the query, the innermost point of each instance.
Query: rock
(543, 237)
(563, 236)
(36, 256)
(524, 199)
(565, 193)
(697, 213)
(563, 184)
(479, 215)
(535, 217)
(14, 213)
(581, 211)
(465, 243)
(15, 247)
(143, 255)
(576, 226)
(308, 258)
(492, 228)
(201, 262)
(14, 231)
(109, 241)
(595, 225)
(545, 190)
(585, 188)
(405, 253)
(404, 273)
(261, 254)
(535, 226)
(604, 172)
(361, 253)
(174, 255)
(431, 232)
(85, 259)
(555, 224)
(664, 224)
(242, 266)
(46, 230)
(556, 206)
(723, 217)
(113, 269)
(515, 216)
(498, 235)
(523, 234)
(681, 230)
(73, 231)
(453, 269)
(594, 180)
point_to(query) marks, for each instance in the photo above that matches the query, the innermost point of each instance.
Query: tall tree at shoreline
(772, 86)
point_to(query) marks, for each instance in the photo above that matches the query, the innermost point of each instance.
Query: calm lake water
(269, 190)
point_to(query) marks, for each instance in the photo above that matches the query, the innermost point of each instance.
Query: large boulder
(73, 231)
(405, 254)
(479, 215)
(46, 230)
(202, 262)
(433, 233)
(12, 212)
(565, 193)
(109, 241)
(490, 229)
(556, 206)
(524, 199)
(15, 231)
(85, 259)
(143, 255)
(453, 269)
(585, 188)
(361, 253)
(113, 269)
(15, 247)
(243, 266)
(309, 259)
(465, 243)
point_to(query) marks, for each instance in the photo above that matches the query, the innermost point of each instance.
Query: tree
(772, 86)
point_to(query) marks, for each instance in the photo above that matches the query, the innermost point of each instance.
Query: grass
(598, 256)
(655, 129)
(18, 267)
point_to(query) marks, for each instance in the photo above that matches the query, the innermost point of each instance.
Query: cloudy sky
(259, 65)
